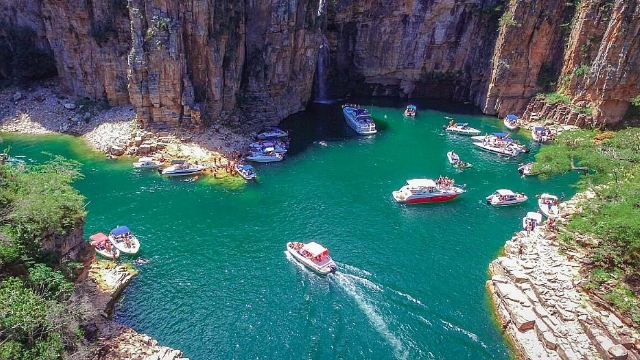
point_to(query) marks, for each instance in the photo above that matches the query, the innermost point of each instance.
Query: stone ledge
(533, 287)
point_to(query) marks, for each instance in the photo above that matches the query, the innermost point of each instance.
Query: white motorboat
(418, 191)
(541, 134)
(272, 132)
(246, 171)
(454, 160)
(505, 197)
(124, 240)
(146, 163)
(548, 205)
(103, 246)
(497, 148)
(411, 111)
(278, 146)
(525, 169)
(268, 155)
(532, 220)
(182, 168)
(359, 119)
(461, 128)
(312, 255)
(511, 122)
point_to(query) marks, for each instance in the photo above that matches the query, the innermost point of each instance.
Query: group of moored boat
(120, 240)
(270, 146)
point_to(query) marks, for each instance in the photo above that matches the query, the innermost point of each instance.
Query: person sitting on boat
(451, 123)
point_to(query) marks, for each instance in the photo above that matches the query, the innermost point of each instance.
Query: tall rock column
(214, 41)
(283, 40)
(529, 48)
(601, 67)
(89, 42)
(159, 86)
(414, 48)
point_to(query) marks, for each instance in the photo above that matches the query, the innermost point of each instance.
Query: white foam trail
(353, 269)
(409, 297)
(376, 319)
(469, 334)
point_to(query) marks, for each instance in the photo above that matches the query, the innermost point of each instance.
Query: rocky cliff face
(200, 62)
(412, 48)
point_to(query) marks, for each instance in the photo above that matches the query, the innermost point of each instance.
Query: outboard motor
(333, 269)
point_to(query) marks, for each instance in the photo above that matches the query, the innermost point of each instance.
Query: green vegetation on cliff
(611, 163)
(37, 203)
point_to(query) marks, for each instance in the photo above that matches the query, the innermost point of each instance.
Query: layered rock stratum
(245, 64)
(538, 292)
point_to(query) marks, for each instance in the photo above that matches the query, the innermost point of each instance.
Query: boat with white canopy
(312, 255)
(124, 240)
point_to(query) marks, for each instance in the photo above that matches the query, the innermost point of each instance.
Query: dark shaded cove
(325, 122)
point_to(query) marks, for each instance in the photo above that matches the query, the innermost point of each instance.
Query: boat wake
(352, 285)
(398, 317)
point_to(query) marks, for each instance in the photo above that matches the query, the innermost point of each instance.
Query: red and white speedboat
(418, 191)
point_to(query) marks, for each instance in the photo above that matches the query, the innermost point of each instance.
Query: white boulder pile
(535, 288)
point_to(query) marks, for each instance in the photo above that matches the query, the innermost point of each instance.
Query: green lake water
(411, 278)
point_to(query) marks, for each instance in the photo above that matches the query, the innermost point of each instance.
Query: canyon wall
(247, 63)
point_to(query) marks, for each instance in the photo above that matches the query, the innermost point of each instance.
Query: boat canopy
(178, 162)
(315, 249)
(99, 238)
(504, 192)
(535, 216)
(361, 112)
(120, 230)
(500, 134)
(512, 117)
(411, 107)
(539, 128)
(247, 167)
(421, 183)
(548, 196)
(463, 124)
(145, 159)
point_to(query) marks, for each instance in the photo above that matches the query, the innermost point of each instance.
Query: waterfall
(322, 69)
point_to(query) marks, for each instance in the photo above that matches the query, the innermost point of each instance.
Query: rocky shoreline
(113, 131)
(536, 290)
(114, 341)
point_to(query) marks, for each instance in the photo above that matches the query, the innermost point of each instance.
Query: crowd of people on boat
(444, 182)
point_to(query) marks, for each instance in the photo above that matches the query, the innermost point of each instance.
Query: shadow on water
(324, 121)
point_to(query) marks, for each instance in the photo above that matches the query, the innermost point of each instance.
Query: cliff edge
(536, 289)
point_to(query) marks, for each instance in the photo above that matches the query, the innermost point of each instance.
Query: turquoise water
(411, 279)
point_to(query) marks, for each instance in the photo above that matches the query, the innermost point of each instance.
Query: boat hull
(423, 199)
(459, 131)
(550, 212)
(510, 125)
(107, 254)
(122, 246)
(350, 118)
(506, 203)
(264, 159)
(497, 150)
(182, 173)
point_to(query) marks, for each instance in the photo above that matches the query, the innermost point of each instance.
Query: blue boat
(511, 122)
(411, 110)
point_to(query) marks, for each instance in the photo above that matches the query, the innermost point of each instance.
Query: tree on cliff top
(36, 319)
(613, 217)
